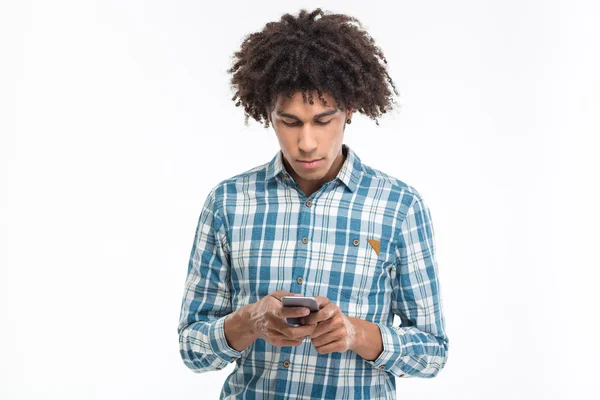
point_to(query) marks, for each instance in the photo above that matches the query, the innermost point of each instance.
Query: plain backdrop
(116, 120)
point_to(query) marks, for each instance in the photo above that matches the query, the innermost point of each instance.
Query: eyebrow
(323, 114)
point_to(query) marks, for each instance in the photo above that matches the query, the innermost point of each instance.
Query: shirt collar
(349, 173)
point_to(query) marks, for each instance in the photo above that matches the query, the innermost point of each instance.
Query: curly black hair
(303, 53)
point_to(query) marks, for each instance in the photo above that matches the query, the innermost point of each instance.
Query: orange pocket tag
(374, 244)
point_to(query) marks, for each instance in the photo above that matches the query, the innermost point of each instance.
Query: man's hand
(334, 332)
(267, 320)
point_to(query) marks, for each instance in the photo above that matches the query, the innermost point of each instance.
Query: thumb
(280, 293)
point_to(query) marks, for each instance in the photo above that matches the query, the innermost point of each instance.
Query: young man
(313, 221)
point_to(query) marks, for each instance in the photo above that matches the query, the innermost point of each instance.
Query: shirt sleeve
(419, 347)
(206, 300)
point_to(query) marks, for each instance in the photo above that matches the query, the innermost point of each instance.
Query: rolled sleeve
(218, 342)
(392, 350)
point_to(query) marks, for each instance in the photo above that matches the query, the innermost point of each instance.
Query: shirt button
(355, 242)
(401, 375)
(308, 203)
(286, 363)
(300, 280)
(382, 367)
(304, 240)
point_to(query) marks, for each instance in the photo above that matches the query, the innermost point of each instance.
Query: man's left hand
(334, 332)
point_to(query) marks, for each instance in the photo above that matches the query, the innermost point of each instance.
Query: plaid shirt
(364, 240)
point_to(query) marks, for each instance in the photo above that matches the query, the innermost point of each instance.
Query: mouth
(310, 163)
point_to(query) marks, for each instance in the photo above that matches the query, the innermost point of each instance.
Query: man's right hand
(267, 320)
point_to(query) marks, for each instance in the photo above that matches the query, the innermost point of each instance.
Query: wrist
(367, 342)
(238, 331)
(359, 334)
(244, 315)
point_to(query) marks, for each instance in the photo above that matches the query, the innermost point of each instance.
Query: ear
(270, 111)
(349, 113)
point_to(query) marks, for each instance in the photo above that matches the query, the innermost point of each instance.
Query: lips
(310, 164)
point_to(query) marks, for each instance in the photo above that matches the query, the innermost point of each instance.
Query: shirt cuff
(392, 340)
(218, 342)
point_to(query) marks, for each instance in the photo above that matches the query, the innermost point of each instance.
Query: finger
(336, 346)
(292, 312)
(287, 332)
(290, 331)
(280, 293)
(328, 337)
(282, 327)
(297, 332)
(323, 328)
(327, 312)
(278, 340)
(322, 301)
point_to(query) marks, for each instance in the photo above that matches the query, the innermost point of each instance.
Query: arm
(206, 301)
(211, 334)
(419, 347)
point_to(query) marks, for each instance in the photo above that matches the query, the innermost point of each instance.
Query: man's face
(310, 133)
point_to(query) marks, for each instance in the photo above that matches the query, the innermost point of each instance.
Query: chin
(313, 177)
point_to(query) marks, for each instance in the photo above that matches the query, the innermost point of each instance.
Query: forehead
(297, 104)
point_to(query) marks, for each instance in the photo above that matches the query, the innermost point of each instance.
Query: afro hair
(328, 54)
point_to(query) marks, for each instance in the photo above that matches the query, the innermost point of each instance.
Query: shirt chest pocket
(358, 270)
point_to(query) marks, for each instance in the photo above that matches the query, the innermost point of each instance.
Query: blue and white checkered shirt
(364, 240)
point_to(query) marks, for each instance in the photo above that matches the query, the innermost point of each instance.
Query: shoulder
(374, 177)
(244, 182)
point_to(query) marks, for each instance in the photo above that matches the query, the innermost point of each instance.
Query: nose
(307, 142)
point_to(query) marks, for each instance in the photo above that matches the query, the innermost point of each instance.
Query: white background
(116, 120)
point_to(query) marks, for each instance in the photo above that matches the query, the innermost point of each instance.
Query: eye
(298, 123)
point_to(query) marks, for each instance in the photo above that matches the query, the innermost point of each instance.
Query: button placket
(301, 255)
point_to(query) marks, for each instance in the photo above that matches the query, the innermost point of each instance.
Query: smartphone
(299, 301)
